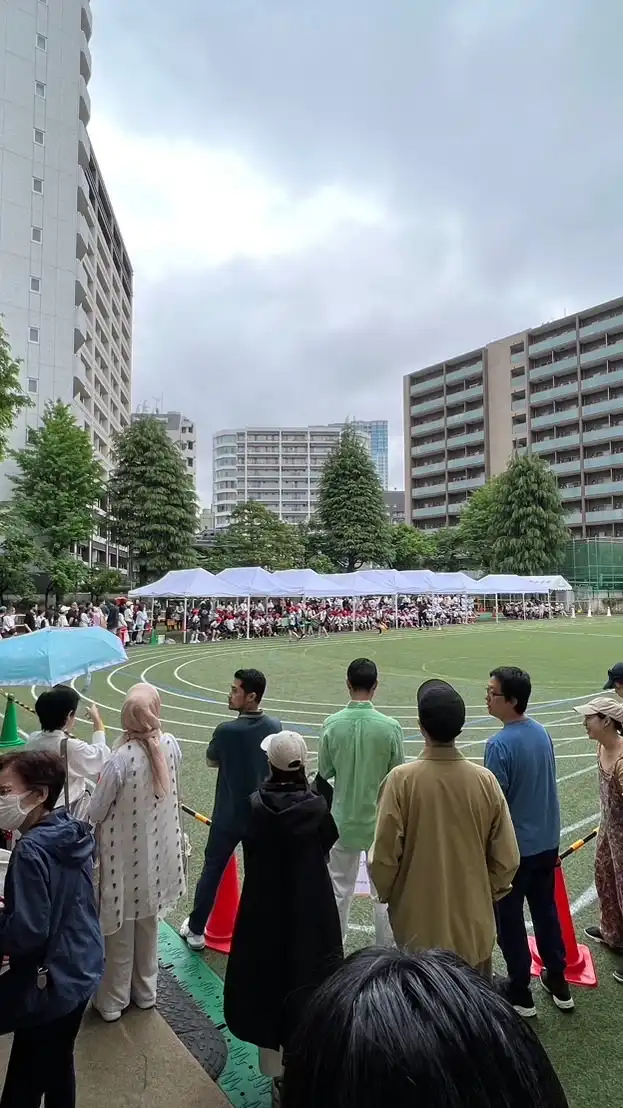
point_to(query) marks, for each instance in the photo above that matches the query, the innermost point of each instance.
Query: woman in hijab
(135, 806)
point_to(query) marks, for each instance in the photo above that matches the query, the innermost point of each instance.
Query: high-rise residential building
(555, 391)
(395, 505)
(181, 430)
(279, 467)
(65, 275)
(379, 444)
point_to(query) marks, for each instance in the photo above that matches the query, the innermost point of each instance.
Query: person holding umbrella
(57, 709)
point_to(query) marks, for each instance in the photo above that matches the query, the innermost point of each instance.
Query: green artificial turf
(568, 661)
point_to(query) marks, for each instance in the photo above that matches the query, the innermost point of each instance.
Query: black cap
(614, 675)
(441, 711)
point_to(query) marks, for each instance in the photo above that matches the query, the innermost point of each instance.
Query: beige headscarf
(140, 717)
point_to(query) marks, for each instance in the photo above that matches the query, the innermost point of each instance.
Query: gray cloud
(488, 131)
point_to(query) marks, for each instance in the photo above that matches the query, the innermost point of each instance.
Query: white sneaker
(108, 1017)
(195, 942)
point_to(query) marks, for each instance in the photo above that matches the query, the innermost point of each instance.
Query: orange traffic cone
(580, 969)
(220, 926)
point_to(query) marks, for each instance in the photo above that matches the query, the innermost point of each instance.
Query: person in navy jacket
(50, 938)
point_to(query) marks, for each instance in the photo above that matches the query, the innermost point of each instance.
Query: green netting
(596, 564)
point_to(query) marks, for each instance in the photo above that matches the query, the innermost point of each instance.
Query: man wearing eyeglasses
(521, 756)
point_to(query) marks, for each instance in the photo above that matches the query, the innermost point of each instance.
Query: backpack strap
(63, 753)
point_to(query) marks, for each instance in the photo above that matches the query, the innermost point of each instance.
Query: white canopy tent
(183, 584)
(555, 583)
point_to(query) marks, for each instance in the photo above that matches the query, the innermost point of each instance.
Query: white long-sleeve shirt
(85, 761)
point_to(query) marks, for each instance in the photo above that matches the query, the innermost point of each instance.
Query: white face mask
(13, 812)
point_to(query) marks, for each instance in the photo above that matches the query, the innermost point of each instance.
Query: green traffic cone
(154, 637)
(9, 736)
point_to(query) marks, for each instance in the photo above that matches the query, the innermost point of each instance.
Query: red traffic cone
(580, 969)
(220, 926)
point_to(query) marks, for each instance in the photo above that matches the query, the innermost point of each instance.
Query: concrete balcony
(428, 406)
(553, 369)
(429, 468)
(427, 384)
(463, 374)
(518, 359)
(84, 198)
(86, 65)
(573, 492)
(603, 408)
(573, 518)
(84, 102)
(604, 488)
(438, 512)
(84, 147)
(603, 461)
(466, 440)
(473, 392)
(553, 443)
(518, 405)
(423, 429)
(465, 462)
(426, 491)
(608, 515)
(86, 20)
(559, 393)
(560, 468)
(466, 483)
(518, 383)
(426, 448)
(464, 417)
(612, 350)
(603, 434)
(83, 236)
(80, 329)
(554, 342)
(602, 380)
(601, 326)
(555, 419)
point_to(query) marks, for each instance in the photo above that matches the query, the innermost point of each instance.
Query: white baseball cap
(603, 706)
(286, 751)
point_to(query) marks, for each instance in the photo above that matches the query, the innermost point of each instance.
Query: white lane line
(580, 824)
(577, 773)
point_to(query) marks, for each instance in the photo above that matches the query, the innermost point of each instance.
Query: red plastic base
(216, 942)
(582, 972)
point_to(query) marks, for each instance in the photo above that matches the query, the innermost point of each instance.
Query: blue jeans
(220, 846)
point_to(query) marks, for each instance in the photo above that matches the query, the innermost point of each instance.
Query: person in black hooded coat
(287, 939)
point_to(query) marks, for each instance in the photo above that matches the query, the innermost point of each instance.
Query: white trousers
(131, 971)
(344, 868)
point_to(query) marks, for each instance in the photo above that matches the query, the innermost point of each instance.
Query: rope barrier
(26, 707)
(579, 844)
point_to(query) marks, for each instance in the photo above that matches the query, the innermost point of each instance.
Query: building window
(36, 234)
(40, 89)
(33, 334)
(35, 284)
(39, 137)
(30, 435)
(189, 462)
(37, 185)
(42, 42)
(32, 384)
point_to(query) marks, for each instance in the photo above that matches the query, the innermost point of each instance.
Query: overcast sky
(320, 195)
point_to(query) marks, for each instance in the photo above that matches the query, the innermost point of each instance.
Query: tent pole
(497, 614)
(396, 611)
(248, 618)
(185, 610)
(523, 597)
(354, 613)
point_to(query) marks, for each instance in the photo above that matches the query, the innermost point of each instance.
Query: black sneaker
(520, 999)
(595, 934)
(559, 991)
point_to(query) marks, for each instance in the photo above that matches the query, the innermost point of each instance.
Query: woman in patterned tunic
(603, 719)
(135, 807)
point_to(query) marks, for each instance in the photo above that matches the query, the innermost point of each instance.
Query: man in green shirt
(358, 747)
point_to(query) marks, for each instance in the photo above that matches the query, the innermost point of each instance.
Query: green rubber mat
(240, 1080)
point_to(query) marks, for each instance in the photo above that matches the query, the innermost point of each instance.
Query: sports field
(568, 661)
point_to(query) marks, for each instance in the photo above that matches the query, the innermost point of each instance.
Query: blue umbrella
(57, 655)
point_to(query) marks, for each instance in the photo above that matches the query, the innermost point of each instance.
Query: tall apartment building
(181, 430)
(555, 391)
(278, 467)
(65, 275)
(377, 430)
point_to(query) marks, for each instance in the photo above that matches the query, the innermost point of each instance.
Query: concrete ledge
(136, 1063)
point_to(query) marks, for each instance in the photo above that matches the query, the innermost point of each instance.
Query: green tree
(530, 519)
(478, 526)
(312, 538)
(99, 581)
(153, 501)
(351, 507)
(59, 484)
(17, 557)
(257, 537)
(411, 549)
(447, 554)
(12, 397)
(64, 574)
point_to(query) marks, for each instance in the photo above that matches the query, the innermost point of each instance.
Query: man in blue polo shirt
(521, 756)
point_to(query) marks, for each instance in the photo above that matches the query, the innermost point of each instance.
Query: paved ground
(135, 1063)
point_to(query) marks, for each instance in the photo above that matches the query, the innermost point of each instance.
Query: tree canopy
(478, 527)
(351, 510)
(257, 537)
(530, 529)
(59, 484)
(12, 396)
(17, 557)
(411, 549)
(152, 501)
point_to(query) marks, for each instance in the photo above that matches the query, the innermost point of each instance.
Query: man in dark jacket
(287, 937)
(49, 931)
